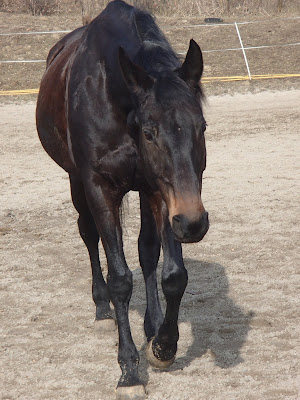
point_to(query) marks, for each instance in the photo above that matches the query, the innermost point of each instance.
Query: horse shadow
(215, 323)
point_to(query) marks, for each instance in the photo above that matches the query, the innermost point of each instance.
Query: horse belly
(51, 111)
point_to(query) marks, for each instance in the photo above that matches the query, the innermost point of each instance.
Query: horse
(119, 111)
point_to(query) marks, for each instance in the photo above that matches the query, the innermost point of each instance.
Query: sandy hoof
(131, 392)
(105, 325)
(155, 362)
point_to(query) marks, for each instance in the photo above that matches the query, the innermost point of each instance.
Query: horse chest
(116, 161)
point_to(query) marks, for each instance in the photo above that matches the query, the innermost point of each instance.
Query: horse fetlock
(103, 310)
(130, 379)
(152, 323)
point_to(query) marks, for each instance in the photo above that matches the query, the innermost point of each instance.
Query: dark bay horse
(118, 111)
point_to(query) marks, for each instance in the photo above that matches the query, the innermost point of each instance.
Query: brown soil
(239, 320)
(270, 31)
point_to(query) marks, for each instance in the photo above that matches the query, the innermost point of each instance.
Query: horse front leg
(104, 203)
(162, 348)
(149, 251)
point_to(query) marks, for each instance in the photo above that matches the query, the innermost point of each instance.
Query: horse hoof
(154, 361)
(105, 325)
(131, 392)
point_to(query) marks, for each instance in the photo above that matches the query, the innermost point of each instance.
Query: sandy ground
(240, 333)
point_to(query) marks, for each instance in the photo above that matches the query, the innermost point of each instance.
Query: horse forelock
(172, 91)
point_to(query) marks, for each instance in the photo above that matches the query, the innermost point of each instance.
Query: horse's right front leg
(149, 251)
(104, 203)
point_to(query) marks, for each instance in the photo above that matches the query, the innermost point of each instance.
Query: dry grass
(181, 8)
(191, 8)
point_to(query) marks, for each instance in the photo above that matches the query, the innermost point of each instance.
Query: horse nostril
(176, 218)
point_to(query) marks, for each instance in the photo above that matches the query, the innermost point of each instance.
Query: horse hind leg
(89, 234)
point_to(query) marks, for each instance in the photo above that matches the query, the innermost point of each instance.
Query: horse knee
(174, 282)
(120, 287)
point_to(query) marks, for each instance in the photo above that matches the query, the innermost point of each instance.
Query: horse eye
(204, 125)
(149, 134)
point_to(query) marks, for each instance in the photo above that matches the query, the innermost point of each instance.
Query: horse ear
(192, 67)
(136, 79)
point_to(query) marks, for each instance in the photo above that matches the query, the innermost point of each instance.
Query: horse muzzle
(188, 230)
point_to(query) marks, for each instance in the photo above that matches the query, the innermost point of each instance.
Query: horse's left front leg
(104, 203)
(162, 348)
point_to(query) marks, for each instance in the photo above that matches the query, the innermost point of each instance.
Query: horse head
(171, 127)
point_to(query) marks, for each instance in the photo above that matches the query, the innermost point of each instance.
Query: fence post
(244, 53)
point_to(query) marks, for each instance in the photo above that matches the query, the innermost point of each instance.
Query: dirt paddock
(239, 320)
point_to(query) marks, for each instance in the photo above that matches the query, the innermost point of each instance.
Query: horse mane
(155, 54)
(157, 57)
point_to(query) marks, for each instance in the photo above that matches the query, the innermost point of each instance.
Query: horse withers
(118, 111)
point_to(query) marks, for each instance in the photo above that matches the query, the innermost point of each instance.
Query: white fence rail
(243, 48)
(31, 33)
(235, 24)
